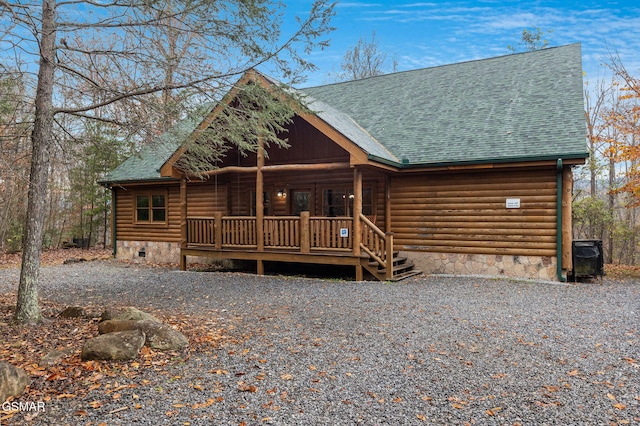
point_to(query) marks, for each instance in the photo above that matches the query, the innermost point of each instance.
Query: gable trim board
(492, 117)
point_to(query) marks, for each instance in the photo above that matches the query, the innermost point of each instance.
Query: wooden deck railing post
(217, 226)
(260, 205)
(388, 255)
(357, 222)
(183, 222)
(357, 211)
(305, 233)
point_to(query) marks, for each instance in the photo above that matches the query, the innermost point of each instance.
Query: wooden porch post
(183, 222)
(217, 225)
(305, 234)
(387, 227)
(260, 205)
(357, 224)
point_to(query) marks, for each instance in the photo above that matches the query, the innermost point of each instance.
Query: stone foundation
(531, 267)
(154, 252)
(161, 252)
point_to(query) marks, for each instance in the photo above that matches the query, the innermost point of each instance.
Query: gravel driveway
(432, 350)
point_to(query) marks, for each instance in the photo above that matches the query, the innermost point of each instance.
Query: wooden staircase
(378, 254)
(402, 268)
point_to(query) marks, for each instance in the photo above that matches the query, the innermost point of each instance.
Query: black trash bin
(588, 259)
(82, 243)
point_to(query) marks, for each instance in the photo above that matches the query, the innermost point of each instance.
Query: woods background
(606, 192)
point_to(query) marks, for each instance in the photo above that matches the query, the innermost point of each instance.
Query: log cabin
(457, 169)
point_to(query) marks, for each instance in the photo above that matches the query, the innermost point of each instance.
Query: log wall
(201, 201)
(125, 210)
(467, 213)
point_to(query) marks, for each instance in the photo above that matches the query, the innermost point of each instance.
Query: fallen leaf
(619, 406)
(286, 377)
(243, 387)
(421, 417)
(66, 395)
(493, 411)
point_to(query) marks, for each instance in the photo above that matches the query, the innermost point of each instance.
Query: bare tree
(15, 124)
(365, 59)
(227, 37)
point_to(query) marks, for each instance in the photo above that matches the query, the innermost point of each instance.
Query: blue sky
(432, 33)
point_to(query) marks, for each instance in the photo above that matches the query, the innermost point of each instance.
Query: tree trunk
(611, 207)
(27, 307)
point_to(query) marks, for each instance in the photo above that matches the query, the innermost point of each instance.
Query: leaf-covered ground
(69, 377)
(262, 349)
(56, 257)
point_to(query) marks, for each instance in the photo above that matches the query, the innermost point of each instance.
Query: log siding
(129, 230)
(467, 213)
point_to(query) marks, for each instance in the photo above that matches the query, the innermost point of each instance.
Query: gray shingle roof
(525, 106)
(146, 164)
(515, 107)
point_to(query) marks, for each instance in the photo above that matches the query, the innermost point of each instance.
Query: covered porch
(299, 239)
(353, 240)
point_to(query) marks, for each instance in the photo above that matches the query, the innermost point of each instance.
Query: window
(339, 202)
(335, 202)
(151, 208)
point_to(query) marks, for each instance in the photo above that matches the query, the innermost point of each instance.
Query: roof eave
(579, 157)
(111, 183)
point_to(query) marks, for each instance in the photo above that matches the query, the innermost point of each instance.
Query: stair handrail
(387, 237)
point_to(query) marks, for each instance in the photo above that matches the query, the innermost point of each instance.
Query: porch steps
(402, 268)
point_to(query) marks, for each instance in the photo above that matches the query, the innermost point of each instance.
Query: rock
(120, 345)
(13, 381)
(73, 312)
(74, 260)
(55, 356)
(129, 313)
(159, 336)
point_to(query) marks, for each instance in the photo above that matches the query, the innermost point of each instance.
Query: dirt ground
(56, 257)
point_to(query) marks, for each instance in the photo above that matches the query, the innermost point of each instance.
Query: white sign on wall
(513, 203)
(344, 232)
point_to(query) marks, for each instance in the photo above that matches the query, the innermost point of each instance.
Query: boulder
(129, 313)
(120, 345)
(56, 355)
(13, 381)
(159, 336)
(73, 312)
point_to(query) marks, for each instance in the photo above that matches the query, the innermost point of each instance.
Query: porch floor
(319, 257)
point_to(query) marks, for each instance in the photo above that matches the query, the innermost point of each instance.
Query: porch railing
(298, 233)
(302, 232)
